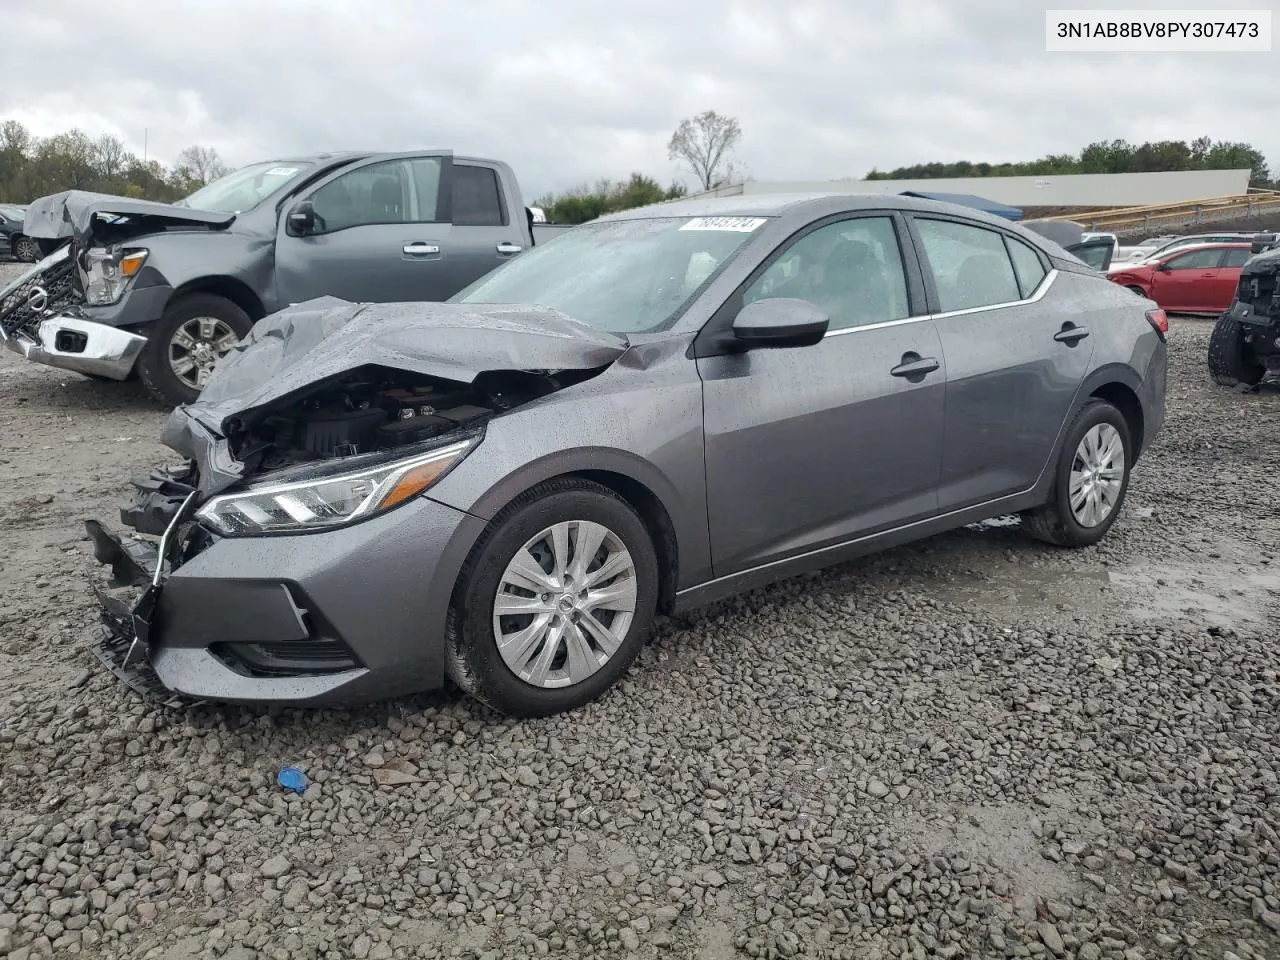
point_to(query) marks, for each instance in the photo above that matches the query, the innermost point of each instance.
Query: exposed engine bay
(373, 410)
(362, 418)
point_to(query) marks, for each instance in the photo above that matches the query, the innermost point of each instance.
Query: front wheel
(1091, 480)
(555, 602)
(193, 334)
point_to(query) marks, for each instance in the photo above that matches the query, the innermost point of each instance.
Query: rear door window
(970, 265)
(477, 199)
(1236, 258)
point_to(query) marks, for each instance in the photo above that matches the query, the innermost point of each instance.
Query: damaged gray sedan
(709, 396)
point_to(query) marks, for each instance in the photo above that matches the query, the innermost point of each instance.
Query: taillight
(1160, 321)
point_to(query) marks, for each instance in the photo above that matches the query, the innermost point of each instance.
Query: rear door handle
(420, 248)
(507, 249)
(1070, 334)
(915, 367)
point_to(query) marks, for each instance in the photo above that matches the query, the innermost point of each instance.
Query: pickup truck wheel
(26, 249)
(182, 348)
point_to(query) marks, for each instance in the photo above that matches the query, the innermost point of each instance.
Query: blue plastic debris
(291, 778)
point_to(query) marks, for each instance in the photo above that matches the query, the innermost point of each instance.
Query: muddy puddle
(1227, 585)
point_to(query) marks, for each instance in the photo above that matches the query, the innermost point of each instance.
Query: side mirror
(780, 322)
(1163, 267)
(302, 218)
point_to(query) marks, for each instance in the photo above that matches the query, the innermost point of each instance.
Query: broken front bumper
(82, 346)
(320, 619)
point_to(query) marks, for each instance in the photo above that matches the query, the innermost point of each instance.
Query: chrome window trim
(1037, 295)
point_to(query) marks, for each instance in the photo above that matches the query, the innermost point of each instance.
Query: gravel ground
(973, 746)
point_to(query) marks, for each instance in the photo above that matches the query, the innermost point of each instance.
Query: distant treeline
(1113, 156)
(32, 166)
(607, 196)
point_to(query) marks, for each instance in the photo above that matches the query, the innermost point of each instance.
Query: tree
(586, 203)
(200, 165)
(703, 143)
(110, 156)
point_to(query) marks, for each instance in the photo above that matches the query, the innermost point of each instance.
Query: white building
(1095, 190)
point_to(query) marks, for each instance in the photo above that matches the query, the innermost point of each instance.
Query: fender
(693, 558)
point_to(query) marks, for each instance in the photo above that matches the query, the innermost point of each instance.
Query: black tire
(1138, 290)
(1229, 362)
(153, 364)
(1055, 522)
(473, 661)
(25, 249)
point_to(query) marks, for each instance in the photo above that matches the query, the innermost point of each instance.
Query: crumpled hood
(315, 341)
(76, 213)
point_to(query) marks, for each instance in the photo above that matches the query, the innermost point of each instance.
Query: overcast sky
(572, 90)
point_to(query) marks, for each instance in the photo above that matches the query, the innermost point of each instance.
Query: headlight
(107, 273)
(331, 501)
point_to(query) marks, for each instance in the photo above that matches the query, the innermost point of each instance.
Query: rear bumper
(82, 346)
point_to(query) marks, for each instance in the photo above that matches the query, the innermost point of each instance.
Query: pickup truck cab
(164, 290)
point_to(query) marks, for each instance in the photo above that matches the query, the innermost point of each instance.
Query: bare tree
(201, 164)
(110, 156)
(704, 143)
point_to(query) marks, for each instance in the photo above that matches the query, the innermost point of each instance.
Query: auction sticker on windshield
(735, 224)
(281, 172)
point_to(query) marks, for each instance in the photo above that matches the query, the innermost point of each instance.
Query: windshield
(622, 276)
(245, 188)
(10, 212)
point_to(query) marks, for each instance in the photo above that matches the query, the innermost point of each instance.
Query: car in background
(1140, 251)
(13, 242)
(1198, 279)
(163, 290)
(659, 409)
(1192, 240)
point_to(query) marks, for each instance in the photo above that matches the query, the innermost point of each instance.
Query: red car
(1194, 279)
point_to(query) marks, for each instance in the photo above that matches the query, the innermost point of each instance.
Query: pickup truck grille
(49, 292)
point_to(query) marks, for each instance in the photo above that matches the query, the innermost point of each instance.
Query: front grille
(20, 313)
(311, 657)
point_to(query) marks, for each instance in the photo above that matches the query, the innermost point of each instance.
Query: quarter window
(393, 191)
(970, 265)
(851, 270)
(1026, 264)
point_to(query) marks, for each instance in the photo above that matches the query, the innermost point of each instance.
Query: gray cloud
(570, 90)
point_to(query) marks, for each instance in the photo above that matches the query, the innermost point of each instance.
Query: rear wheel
(26, 249)
(1229, 360)
(1091, 481)
(182, 348)
(555, 602)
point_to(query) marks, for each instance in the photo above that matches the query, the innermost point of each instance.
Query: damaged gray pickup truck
(661, 408)
(163, 290)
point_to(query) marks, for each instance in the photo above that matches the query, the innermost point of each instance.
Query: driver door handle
(507, 249)
(420, 248)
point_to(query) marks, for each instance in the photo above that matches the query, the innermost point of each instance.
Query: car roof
(816, 203)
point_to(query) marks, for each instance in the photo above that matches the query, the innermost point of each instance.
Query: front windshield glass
(621, 276)
(245, 188)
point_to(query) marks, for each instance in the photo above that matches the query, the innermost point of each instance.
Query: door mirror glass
(780, 322)
(302, 218)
